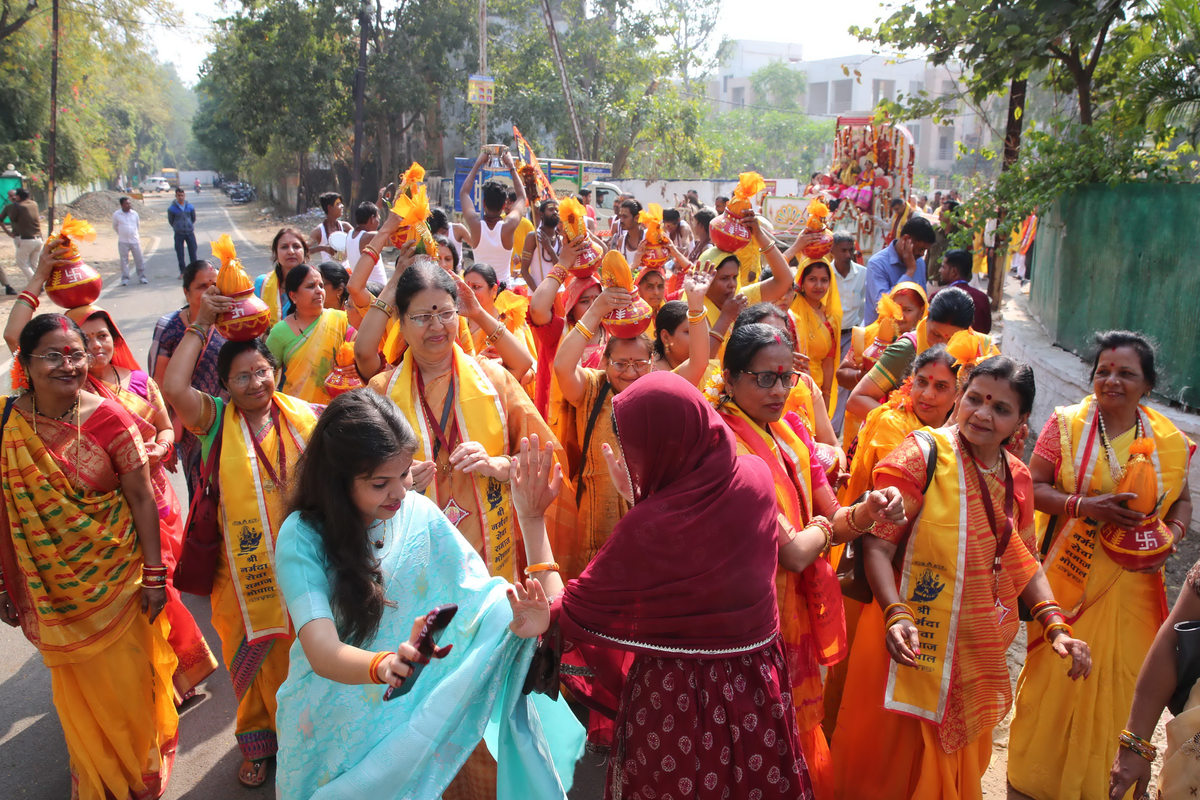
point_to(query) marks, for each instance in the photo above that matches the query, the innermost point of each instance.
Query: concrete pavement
(33, 756)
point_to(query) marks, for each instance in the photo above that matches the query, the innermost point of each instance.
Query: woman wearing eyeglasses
(469, 413)
(114, 374)
(758, 377)
(259, 434)
(81, 568)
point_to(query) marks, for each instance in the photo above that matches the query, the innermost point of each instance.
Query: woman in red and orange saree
(686, 583)
(928, 678)
(80, 563)
(811, 617)
(114, 374)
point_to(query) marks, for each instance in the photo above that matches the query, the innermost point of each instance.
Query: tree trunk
(1012, 149)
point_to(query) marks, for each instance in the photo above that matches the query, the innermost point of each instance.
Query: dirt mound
(98, 207)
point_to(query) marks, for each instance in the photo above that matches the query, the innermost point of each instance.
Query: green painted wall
(1125, 257)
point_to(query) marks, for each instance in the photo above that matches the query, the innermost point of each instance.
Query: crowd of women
(655, 542)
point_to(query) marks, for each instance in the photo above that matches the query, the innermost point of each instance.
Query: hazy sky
(820, 28)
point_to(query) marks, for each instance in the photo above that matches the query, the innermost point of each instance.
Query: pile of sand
(98, 207)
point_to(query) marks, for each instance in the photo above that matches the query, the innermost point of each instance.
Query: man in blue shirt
(902, 260)
(181, 216)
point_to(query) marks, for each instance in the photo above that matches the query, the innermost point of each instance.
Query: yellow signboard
(481, 90)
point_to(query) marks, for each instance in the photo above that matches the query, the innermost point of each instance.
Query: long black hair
(358, 431)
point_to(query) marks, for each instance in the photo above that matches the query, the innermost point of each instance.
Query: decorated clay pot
(728, 234)
(655, 256)
(249, 318)
(1139, 548)
(820, 247)
(628, 322)
(401, 235)
(588, 260)
(73, 284)
(342, 379)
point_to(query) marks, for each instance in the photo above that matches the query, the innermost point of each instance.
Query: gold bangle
(545, 566)
(826, 527)
(902, 606)
(697, 316)
(382, 305)
(583, 331)
(854, 526)
(494, 335)
(1047, 634)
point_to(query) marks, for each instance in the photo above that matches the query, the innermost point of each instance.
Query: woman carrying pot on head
(251, 443)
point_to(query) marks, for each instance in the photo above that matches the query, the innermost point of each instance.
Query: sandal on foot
(253, 773)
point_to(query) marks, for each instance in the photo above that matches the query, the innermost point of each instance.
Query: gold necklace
(78, 437)
(1115, 470)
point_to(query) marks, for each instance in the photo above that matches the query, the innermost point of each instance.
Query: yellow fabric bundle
(614, 271)
(1140, 478)
(573, 217)
(231, 278)
(749, 184)
(414, 213)
(652, 220)
(818, 212)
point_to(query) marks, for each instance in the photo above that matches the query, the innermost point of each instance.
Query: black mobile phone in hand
(436, 621)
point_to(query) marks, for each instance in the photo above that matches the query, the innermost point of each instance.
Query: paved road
(33, 756)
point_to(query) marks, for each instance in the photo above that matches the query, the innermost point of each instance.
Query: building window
(915, 88)
(818, 98)
(945, 150)
(739, 96)
(915, 130)
(882, 90)
(843, 96)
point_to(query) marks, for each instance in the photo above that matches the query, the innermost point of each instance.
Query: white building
(852, 86)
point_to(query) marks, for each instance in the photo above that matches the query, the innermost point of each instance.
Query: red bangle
(375, 662)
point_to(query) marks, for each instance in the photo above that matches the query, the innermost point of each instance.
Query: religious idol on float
(573, 218)
(633, 319)
(250, 316)
(72, 283)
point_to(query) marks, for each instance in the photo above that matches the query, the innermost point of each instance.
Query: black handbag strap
(605, 386)
(931, 455)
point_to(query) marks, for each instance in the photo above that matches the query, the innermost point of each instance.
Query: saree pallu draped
(270, 294)
(811, 618)
(1115, 611)
(308, 357)
(341, 741)
(248, 611)
(819, 339)
(802, 400)
(195, 659)
(479, 506)
(72, 565)
(960, 688)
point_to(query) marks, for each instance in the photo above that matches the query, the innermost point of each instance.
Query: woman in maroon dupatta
(114, 374)
(686, 583)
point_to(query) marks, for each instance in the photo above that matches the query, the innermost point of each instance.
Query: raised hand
(535, 477)
(531, 609)
(696, 283)
(618, 472)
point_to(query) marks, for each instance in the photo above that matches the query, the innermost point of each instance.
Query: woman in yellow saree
(289, 249)
(510, 308)
(757, 371)
(1080, 453)
(75, 475)
(306, 341)
(899, 312)
(260, 434)
(469, 414)
(817, 315)
(927, 668)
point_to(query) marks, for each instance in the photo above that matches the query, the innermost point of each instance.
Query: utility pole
(552, 32)
(53, 115)
(483, 31)
(360, 88)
